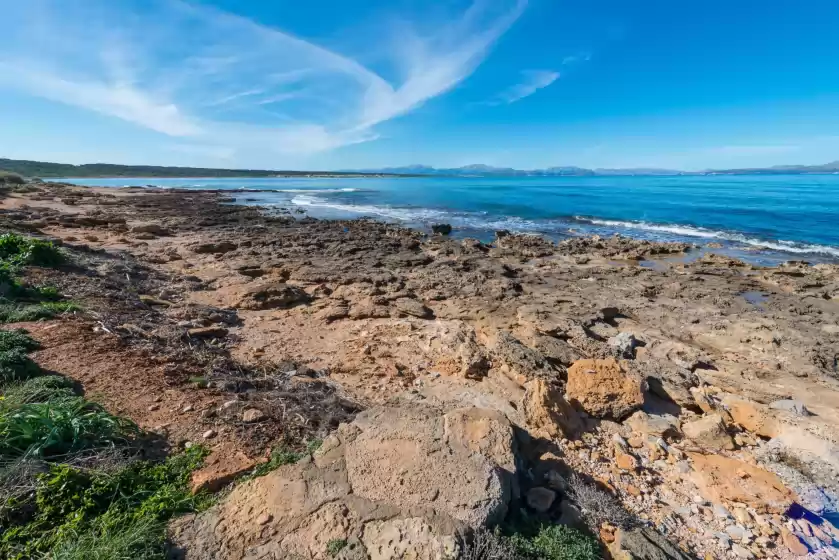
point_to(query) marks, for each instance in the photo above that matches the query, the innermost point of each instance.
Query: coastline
(396, 317)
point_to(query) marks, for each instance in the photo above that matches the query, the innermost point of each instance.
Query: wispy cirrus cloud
(533, 81)
(198, 73)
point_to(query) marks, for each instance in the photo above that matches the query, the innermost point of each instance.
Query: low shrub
(94, 514)
(17, 339)
(20, 250)
(9, 178)
(557, 542)
(549, 542)
(47, 388)
(598, 506)
(57, 428)
(15, 365)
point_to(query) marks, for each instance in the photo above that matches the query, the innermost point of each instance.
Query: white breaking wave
(482, 221)
(691, 231)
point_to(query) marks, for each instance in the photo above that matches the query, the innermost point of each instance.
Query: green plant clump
(100, 515)
(19, 250)
(21, 313)
(47, 388)
(557, 542)
(335, 546)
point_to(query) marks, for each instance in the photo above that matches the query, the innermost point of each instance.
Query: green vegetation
(52, 507)
(279, 457)
(335, 546)
(19, 250)
(97, 514)
(19, 303)
(548, 542)
(557, 542)
(7, 178)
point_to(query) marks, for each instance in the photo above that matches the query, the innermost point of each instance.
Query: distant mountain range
(480, 170)
(47, 170)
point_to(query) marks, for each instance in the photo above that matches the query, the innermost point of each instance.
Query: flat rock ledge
(395, 481)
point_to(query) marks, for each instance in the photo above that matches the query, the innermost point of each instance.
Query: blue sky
(371, 83)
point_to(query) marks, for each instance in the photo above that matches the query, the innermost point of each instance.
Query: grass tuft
(60, 427)
(279, 457)
(335, 546)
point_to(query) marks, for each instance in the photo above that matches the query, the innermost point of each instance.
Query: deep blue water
(766, 218)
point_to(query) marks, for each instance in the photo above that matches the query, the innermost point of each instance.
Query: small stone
(252, 415)
(724, 540)
(741, 514)
(154, 407)
(229, 404)
(540, 499)
(264, 519)
(209, 434)
(556, 481)
(626, 462)
(742, 552)
(187, 408)
(188, 445)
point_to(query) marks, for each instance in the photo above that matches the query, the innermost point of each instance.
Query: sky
(356, 84)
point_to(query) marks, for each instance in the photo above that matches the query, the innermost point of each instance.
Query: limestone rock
(222, 466)
(752, 416)
(252, 415)
(624, 344)
(709, 431)
(270, 295)
(796, 408)
(546, 410)
(407, 538)
(396, 483)
(520, 359)
(152, 228)
(722, 479)
(412, 308)
(659, 425)
(644, 543)
(407, 457)
(793, 543)
(604, 388)
(215, 248)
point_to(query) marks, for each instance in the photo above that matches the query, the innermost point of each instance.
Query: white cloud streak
(534, 80)
(196, 72)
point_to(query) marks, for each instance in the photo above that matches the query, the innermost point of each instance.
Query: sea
(765, 219)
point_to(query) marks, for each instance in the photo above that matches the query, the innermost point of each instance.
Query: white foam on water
(691, 231)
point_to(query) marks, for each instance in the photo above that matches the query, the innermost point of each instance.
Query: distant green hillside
(47, 170)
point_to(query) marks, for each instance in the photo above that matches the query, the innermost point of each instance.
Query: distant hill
(51, 170)
(89, 170)
(481, 170)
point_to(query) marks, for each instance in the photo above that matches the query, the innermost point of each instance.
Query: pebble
(540, 499)
(154, 407)
(187, 408)
(264, 519)
(209, 434)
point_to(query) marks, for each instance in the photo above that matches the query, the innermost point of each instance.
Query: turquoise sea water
(765, 218)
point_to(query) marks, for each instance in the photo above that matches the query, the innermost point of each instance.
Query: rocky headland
(675, 407)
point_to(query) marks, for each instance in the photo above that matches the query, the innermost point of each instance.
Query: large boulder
(519, 360)
(415, 456)
(396, 483)
(605, 388)
(548, 413)
(724, 480)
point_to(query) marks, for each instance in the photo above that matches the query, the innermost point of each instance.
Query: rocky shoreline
(676, 408)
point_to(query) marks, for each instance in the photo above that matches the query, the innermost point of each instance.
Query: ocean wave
(694, 231)
(560, 226)
(311, 191)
